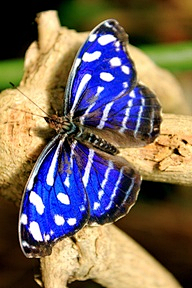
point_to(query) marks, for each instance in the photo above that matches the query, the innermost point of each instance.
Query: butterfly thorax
(64, 125)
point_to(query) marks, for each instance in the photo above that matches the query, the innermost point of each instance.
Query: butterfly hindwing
(54, 204)
(111, 184)
(134, 118)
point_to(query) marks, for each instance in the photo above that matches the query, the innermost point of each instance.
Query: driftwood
(104, 254)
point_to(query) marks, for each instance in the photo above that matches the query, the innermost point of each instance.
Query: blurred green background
(162, 219)
(161, 28)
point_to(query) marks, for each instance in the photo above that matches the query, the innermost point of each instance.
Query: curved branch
(106, 255)
(101, 253)
(169, 158)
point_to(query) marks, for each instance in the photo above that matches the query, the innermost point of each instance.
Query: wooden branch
(169, 158)
(106, 255)
(102, 253)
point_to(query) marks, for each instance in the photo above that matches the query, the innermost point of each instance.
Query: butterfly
(78, 178)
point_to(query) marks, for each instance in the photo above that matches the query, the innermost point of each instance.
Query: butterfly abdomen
(96, 141)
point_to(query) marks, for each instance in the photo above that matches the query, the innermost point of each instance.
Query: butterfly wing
(111, 184)
(54, 203)
(102, 68)
(134, 118)
(102, 91)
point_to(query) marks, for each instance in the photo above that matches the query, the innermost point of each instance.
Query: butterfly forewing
(102, 68)
(134, 118)
(55, 203)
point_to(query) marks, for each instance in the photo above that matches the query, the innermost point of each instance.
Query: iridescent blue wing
(134, 118)
(54, 203)
(101, 69)
(111, 184)
(69, 187)
(102, 91)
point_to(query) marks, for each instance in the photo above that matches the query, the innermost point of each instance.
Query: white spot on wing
(76, 63)
(108, 77)
(99, 89)
(106, 176)
(50, 174)
(105, 115)
(117, 44)
(89, 57)
(114, 190)
(36, 200)
(115, 62)
(63, 198)
(80, 89)
(72, 221)
(139, 117)
(125, 85)
(96, 205)
(126, 117)
(132, 94)
(106, 39)
(66, 182)
(92, 37)
(82, 118)
(85, 178)
(125, 69)
(23, 219)
(100, 194)
(59, 220)
(117, 187)
(35, 231)
(30, 183)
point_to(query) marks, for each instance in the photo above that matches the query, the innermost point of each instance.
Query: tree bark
(169, 158)
(104, 254)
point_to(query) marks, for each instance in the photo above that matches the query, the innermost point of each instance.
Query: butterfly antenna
(31, 113)
(29, 99)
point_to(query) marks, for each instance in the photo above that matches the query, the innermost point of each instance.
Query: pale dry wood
(169, 158)
(109, 257)
(23, 136)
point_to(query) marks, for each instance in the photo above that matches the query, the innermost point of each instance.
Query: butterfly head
(62, 125)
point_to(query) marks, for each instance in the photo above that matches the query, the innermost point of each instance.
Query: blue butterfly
(78, 180)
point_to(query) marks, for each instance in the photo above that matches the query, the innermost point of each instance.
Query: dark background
(162, 219)
(147, 21)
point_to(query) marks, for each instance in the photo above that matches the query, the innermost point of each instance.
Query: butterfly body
(64, 126)
(78, 179)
